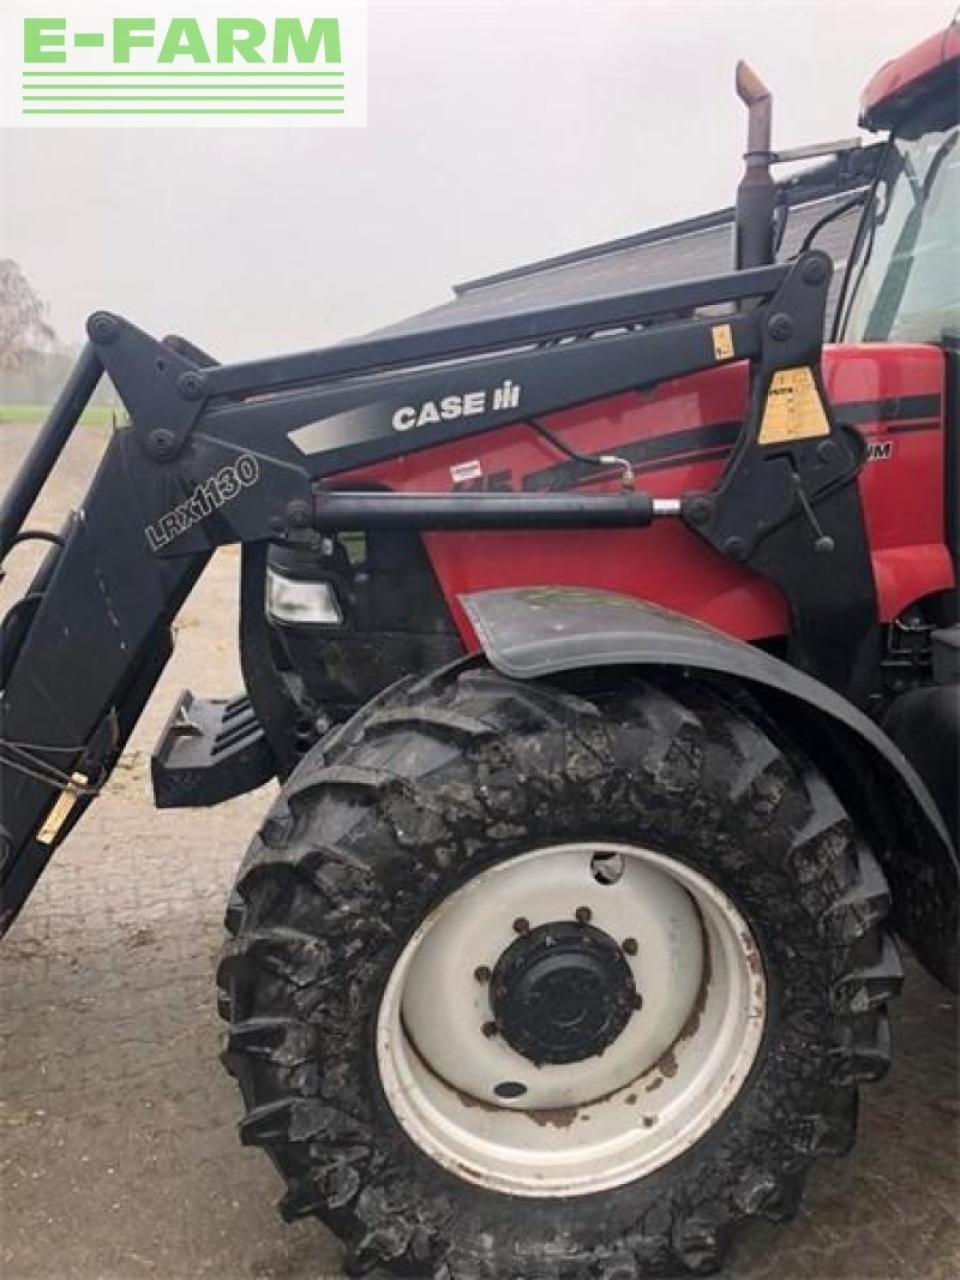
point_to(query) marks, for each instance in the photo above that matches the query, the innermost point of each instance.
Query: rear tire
(434, 784)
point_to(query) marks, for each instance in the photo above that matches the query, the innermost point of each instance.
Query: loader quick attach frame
(248, 453)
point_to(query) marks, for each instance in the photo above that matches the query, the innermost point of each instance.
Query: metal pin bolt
(630, 946)
(584, 915)
(815, 269)
(162, 443)
(637, 1000)
(826, 450)
(191, 385)
(521, 925)
(299, 514)
(489, 1029)
(699, 510)
(482, 973)
(103, 327)
(780, 327)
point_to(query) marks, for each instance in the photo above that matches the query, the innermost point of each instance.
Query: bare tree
(23, 323)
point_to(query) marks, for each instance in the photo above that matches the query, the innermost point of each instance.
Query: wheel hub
(477, 1001)
(562, 992)
(541, 1035)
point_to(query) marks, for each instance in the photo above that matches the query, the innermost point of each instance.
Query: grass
(93, 416)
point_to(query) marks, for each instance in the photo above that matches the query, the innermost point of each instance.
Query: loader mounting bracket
(787, 505)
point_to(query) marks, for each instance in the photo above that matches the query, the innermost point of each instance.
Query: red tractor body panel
(677, 437)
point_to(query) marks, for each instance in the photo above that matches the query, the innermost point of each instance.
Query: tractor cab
(903, 281)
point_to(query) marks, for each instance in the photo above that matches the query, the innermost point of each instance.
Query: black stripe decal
(929, 424)
(697, 444)
(893, 409)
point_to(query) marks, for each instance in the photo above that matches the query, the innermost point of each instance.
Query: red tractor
(607, 647)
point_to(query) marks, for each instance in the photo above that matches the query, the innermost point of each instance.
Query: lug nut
(482, 973)
(521, 925)
(630, 946)
(584, 915)
(489, 1029)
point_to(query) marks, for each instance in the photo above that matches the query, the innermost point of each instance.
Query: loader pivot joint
(163, 391)
(103, 328)
(191, 385)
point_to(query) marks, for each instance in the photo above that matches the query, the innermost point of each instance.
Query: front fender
(533, 632)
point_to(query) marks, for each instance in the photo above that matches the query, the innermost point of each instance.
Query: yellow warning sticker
(794, 410)
(722, 342)
(61, 809)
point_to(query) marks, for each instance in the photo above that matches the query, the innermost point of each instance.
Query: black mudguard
(925, 725)
(530, 633)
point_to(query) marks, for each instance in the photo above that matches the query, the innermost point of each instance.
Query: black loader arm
(248, 453)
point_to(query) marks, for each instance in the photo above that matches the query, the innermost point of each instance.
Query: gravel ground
(118, 1151)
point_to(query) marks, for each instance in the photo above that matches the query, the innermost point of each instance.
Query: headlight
(293, 601)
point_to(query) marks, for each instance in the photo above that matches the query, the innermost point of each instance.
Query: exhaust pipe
(757, 193)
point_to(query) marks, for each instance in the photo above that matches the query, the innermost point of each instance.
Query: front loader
(607, 650)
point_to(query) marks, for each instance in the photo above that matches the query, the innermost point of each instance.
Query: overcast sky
(498, 133)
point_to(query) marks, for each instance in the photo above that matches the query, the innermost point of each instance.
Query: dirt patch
(555, 1117)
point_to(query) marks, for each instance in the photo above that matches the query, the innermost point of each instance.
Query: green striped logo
(102, 64)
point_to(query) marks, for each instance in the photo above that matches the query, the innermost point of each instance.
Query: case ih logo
(206, 62)
(449, 408)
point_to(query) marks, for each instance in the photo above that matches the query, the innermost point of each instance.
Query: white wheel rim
(584, 1126)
